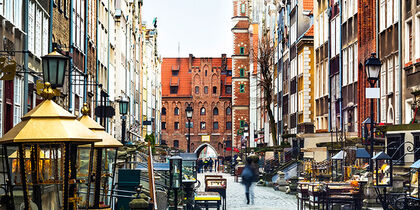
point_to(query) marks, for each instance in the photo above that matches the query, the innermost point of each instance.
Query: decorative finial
(48, 92)
(85, 109)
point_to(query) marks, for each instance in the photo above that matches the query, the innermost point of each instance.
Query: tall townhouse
(410, 42)
(366, 42)
(151, 83)
(390, 77)
(321, 79)
(240, 70)
(349, 66)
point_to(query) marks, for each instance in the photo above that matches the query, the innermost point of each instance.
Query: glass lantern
(338, 166)
(175, 164)
(189, 167)
(382, 174)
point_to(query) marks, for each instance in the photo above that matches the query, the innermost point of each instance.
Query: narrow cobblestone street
(265, 197)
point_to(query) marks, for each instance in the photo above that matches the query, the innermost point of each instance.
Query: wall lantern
(53, 68)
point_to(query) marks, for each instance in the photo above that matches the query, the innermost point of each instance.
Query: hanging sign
(372, 93)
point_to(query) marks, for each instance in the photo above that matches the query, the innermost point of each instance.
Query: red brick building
(206, 84)
(366, 37)
(240, 69)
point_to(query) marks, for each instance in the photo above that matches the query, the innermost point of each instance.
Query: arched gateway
(202, 146)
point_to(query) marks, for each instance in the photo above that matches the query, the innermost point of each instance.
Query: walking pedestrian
(211, 165)
(216, 169)
(249, 176)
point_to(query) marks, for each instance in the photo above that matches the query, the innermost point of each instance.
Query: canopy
(107, 140)
(362, 153)
(416, 164)
(49, 123)
(340, 155)
(381, 156)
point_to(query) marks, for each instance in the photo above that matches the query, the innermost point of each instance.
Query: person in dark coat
(249, 176)
(200, 165)
(211, 165)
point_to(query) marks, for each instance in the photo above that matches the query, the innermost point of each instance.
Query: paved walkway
(265, 197)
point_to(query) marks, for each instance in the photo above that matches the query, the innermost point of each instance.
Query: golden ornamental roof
(107, 140)
(46, 123)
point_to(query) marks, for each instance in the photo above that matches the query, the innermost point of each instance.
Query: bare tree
(266, 64)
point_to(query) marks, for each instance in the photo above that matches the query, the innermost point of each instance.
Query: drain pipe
(400, 59)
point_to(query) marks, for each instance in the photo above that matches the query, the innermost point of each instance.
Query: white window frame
(382, 15)
(345, 67)
(417, 32)
(337, 37)
(333, 31)
(325, 26)
(389, 13)
(17, 100)
(390, 81)
(350, 62)
(356, 62)
(396, 11)
(407, 39)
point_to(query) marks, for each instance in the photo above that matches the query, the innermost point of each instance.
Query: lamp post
(372, 67)
(189, 110)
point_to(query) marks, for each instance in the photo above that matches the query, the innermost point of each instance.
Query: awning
(362, 153)
(381, 156)
(416, 165)
(339, 156)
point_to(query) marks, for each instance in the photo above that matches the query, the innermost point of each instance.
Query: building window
(163, 125)
(215, 111)
(163, 111)
(17, 100)
(176, 125)
(203, 125)
(174, 89)
(228, 111)
(206, 90)
(176, 111)
(228, 89)
(214, 90)
(197, 90)
(205, 73)
(242, 8)
(228, 125)
(215, 125)
(241, 72)
(242, 88)
(191, 125)
(203, 111)
(242, 50)
(242, 123)
(409, 40)
(176, 143)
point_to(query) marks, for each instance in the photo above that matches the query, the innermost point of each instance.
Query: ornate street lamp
(123, 102)
(189, 111)
(53, 68)
(372, 67)
(383, 170)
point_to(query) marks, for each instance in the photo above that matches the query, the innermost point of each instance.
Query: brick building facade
(206, 84)
(240, 69)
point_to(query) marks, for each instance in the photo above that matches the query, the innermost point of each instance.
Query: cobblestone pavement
(265, 197)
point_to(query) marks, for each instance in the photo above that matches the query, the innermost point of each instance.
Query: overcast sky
(201, 27)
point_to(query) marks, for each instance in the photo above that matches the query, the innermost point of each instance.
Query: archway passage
(206, 151)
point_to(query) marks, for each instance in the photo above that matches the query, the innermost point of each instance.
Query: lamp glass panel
(61, 70)
(52, 71)
(45, 69)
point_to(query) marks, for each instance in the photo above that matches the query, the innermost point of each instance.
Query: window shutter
(333, 38)
(325, 26)
(45, 36)
(389, 13)
(382, 16)
(31, 22)
(356, 63)
(344, 70)
(38, 32)
(350, 68)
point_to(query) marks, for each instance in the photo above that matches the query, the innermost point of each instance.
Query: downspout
(86, 51)
(329, 68)
(50, 22)
(340, 72)
(107, 78)
(400, 59)
(97, 55)
(71, 56)
(25, 59)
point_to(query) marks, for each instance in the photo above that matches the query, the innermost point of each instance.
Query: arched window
(163, 111)
(228, 111)
(197, 90)
(203, 111)
(176, 143)
(176, 111)
(215, 111)
(214, 89)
